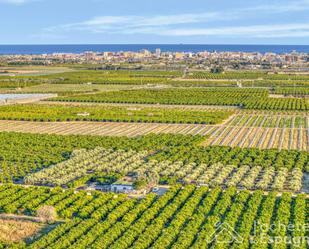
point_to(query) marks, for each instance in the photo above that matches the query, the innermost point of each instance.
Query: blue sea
(48, 49)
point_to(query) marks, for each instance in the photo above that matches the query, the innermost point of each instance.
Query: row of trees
(52, 113)
(181, 218)
(74, 172)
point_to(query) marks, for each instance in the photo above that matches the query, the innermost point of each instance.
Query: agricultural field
(68, 81)
(32, 70)
(113, 114)
(197, 156)
(105, 76)
(168, 156)
(280, 131)
(60, 89)
(98, 77)
(12, 231)
(248, 98)
(190, 82)
(138, 105)
(137, 163)
(203, 96)
(271, 130)
(247, 75)
(103, 128)
(75, 75)
(295, 91)
(22, 153)
(7, 86)
(181, 218)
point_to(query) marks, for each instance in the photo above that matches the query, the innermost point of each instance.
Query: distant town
(169, 60)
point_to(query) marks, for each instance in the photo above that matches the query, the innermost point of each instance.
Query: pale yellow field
(13, 230)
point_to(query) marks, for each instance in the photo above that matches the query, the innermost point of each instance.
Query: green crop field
(113, 114)
(297, 91)
(25, 153)
(99, 77)
(247, 75)
(210, 96)
(249, 98)
(181, 218)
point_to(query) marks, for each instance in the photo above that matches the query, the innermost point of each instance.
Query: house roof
(122, 182)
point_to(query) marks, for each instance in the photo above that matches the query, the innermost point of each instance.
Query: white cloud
(266, 31)
(291, 6)
(196, 24)
(122, 23)
(171, 26)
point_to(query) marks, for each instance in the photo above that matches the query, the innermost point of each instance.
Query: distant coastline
(65, 48)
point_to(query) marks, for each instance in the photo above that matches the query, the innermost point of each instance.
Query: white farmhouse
(122, 187)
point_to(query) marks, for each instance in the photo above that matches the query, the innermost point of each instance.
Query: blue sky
(154, 21)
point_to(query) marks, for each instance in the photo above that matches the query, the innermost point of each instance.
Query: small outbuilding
(122, 186)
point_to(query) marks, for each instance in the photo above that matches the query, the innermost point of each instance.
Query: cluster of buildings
(242, 60)
(199, 60)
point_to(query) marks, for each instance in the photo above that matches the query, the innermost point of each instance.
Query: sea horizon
(7, 49)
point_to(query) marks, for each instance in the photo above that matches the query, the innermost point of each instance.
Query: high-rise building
(158, 52)
(146, 53)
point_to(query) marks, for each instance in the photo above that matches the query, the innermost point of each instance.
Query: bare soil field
(17, 230)
(34, 70)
